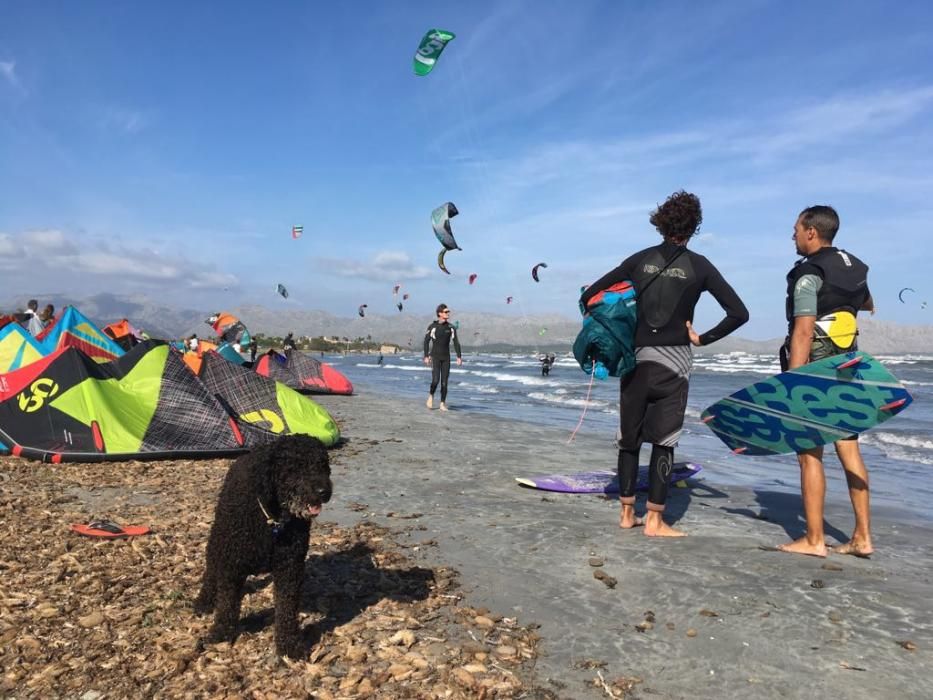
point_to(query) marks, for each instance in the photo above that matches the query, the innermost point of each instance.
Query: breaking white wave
(565, 401)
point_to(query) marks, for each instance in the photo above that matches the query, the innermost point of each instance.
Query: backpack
(606, 342)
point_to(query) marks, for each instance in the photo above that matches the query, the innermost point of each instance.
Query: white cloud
(89, 263)
(385, 266)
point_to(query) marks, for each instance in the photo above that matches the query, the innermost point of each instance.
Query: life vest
(843, 292)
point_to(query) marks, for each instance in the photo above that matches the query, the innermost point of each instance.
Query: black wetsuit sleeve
(453, 332)
(736, 313)
(427, 340)
(620, 274)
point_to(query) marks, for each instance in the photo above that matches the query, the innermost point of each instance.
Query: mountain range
(477, 330)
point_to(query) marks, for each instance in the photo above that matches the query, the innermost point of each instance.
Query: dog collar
(276, 525)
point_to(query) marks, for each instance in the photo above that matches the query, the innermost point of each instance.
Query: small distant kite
(395, 289)
(280, 288)
(405, 297)
(508, 300)
(900, 294)
(297, 231)
(440, 221)
(534, 271)
(399, 305)
(360, 310)
(473, 277)
(430, 50)
(542, 331)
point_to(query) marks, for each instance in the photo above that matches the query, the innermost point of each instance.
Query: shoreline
(527, 552)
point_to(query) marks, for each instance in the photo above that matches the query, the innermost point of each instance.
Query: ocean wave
(481, 388)
(417, 368)
(506, 377)
(911, 383)
(564, 401)
(907, 447)
(735, 369)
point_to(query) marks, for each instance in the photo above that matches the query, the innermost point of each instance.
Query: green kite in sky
(430, 50)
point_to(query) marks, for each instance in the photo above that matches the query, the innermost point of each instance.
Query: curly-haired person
(668, 280)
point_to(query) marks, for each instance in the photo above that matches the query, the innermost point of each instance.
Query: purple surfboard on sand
(603, 481)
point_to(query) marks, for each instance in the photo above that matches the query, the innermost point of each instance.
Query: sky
(167, 149)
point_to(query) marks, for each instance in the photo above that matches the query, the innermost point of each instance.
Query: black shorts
(652, 403)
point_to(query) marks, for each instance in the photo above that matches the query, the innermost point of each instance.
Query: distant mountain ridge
(477, 330)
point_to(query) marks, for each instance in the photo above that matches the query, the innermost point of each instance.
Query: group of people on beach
(669, 279)
(33, 320)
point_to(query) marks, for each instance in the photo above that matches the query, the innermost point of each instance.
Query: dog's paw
(293, 650)
(220, 634)
(202, 607)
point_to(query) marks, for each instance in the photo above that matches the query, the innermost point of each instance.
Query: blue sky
(168, 148)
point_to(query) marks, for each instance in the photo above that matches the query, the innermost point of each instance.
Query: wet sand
(707, 616)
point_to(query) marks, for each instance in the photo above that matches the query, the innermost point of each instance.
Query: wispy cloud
(385, 266)
(8, 71)
(128, 121)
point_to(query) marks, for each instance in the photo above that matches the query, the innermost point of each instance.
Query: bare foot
(628, 519)
(856, 549)
(656, 527)
(801, 546)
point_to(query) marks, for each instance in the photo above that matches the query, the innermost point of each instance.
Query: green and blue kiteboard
(812, 405)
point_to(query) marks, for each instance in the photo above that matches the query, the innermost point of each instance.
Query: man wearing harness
(824, 285)
(437, 353)
(668, 280)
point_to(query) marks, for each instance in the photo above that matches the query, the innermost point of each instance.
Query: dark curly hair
(679, 217)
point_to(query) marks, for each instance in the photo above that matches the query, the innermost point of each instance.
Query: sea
(898, 453)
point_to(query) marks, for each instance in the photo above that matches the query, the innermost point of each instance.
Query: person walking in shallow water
(668, 280)
(437, 341)
(825, 281)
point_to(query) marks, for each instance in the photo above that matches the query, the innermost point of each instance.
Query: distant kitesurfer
(289, 342)
(668, 280)
(379, 361)
(547, 362)
(437, 353)
(825, 281)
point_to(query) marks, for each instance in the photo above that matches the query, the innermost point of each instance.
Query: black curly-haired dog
(262, 524)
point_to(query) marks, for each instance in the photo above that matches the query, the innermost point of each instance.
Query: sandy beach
(505, 591)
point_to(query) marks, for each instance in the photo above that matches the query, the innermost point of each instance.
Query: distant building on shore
(389, 349)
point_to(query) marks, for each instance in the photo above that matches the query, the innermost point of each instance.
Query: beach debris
(835, 616)
(708, 613)
(357, 507)
(644, 626)
(908, 645)
(849, 667)
(691, 632)
(391, 627)
(829, 566)
(649, 615)
(817, 583)
(590, 664)
(595, 561)
(670, 626)
(619, 687)
(601, 575)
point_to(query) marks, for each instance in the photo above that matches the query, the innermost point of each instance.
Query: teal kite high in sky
(430, 50)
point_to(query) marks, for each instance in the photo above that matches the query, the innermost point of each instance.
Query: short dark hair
(679, 217)
(440, 307)
(33, 304)
(823, 218)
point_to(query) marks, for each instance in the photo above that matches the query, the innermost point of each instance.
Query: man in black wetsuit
(437, 353)
(668, 280)
(825, 283)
